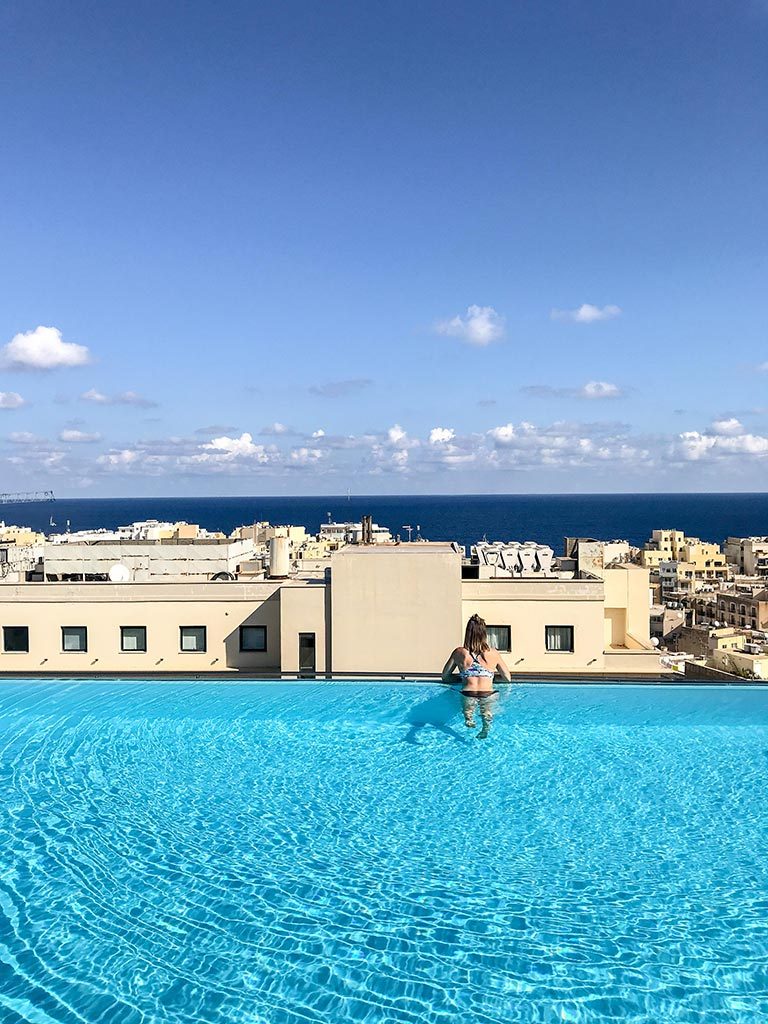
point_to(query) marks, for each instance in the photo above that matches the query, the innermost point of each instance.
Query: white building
(352, 533)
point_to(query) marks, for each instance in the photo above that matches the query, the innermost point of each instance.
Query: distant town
(299, 601)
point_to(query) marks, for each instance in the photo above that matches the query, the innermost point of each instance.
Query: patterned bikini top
(476, 669)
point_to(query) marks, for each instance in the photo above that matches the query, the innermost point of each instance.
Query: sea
(544, 518)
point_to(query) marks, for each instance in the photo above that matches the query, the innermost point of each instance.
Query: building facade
(749, 555)
(380, 609)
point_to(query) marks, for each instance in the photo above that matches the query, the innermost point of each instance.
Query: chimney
(367, 531)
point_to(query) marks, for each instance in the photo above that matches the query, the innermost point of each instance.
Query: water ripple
(294, 853)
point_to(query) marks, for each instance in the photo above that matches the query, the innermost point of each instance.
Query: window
(74, 638)
(193, 638)
(16, 639)
(253, 638)
(133, 638)
(559, 638)
(500, 637)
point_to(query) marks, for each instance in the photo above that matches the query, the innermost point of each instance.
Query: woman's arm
(501, 668)
(449, 668)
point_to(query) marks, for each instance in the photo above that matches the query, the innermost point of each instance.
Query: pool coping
(414, 678)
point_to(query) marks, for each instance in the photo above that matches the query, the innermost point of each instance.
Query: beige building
(683, 565)
(23, 536)
(382, 609)
(739, 662)
(749, 555)
(21, 550)
(666, 624)
(593, 556)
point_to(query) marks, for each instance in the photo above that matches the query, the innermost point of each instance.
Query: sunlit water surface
(287, 853)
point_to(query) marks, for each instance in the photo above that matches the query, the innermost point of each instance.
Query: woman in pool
(477, 663)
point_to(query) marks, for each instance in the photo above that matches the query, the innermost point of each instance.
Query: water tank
(279, 558)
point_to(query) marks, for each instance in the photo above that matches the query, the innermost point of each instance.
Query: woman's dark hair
(475, 636)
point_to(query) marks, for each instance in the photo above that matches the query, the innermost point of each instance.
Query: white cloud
(78, 437)
(24, 437)
(441, 435)
(600, 448)
(123, 398)
(306, 456)
(223, 449)
(92, 395)
(10, 400)
(562, 445)
(125, 457)
(275, 429)
(586, 313)
(600, 389)
(318, 433)
(42, 349)
(729, 425)
(479, 326)
(593, 389)
(389, 452)
(693, 446)
(509, 433)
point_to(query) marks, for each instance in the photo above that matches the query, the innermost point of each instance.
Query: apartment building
(682, 565)
(748, 555)
(742, 605)
(397, 608)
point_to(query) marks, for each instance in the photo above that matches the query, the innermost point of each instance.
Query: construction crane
(25, 497)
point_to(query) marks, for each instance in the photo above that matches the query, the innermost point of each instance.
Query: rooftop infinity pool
(284, 853)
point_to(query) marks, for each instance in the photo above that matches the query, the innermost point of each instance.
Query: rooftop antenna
(418, 532)
(329, 517)
(410, 531)
(349, 494)
(51, 522)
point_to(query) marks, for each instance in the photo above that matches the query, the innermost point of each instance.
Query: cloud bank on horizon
(499, 452)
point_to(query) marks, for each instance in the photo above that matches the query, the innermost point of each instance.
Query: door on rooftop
(306, 654)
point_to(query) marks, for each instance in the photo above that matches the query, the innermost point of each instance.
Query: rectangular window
(559, 638)
(133, 638)
(74, 638)
(500, 637)
(193, 638)
(16, 639)
(253, 638)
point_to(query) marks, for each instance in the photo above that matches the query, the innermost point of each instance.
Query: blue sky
(402, 247)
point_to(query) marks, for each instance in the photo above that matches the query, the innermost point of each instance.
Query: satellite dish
(119, 573)
(655, 641)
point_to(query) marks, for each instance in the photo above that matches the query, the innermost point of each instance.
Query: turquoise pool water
(282, 853)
